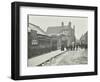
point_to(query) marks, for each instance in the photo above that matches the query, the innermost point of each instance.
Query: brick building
(38, 42)
(65, 34)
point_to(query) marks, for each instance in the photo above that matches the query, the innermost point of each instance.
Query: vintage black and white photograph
(53, 40)
(57, 40)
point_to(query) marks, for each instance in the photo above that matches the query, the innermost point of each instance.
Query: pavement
(35, 61)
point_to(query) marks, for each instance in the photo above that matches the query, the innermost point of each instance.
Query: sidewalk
(42, 58)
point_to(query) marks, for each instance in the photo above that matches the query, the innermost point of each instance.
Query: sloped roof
(37, 28)
(57, 29)
(53, 30)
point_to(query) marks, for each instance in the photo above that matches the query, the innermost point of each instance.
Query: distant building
(84, 38)
(65, 33)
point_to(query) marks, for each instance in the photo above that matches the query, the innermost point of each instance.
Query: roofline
(37, 27)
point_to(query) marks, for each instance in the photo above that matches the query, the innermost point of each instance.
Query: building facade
(84, 40)
(38, 42)
(65, 34)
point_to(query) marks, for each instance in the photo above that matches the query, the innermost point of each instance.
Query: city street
(59, 57)
(69, 58)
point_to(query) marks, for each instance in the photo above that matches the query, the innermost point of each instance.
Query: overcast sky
(81, 23)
